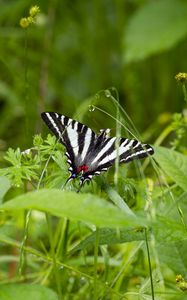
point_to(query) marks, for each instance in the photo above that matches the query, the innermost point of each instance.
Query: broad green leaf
(4, 186)
(108, 236)
(171, 243)
(174, 255)
(156, 26)
(79, 207)
(174, 164)
(166, 230)
(26, 291)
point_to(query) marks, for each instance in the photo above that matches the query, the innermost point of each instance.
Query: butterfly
(88, 153)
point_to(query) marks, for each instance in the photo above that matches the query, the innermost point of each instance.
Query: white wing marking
(105, 149)
(69, 121)
(62, 120)
(73, 138)
(122, 148)
(76, 126)
(87, 141)
(136, 154)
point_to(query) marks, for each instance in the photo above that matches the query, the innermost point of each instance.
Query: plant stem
(163, 135)
(28, 213)
(24, 241)
(149, 262)
(64, 238)
(184, 92)
(26, 225)
(118, 130)
(95, 262)
(26, 86)
(52, 245)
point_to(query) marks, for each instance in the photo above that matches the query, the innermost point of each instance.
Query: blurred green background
(77, 48)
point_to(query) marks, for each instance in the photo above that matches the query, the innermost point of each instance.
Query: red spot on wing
(83, 168)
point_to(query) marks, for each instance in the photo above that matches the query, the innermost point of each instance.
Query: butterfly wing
(76, 137)
(105, 153)
(94, 152)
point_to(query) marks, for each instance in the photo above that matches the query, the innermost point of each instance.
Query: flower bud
(24, 22)
(34, 10)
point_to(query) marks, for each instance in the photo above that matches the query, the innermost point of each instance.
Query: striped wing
(76, 137)
(104, 154)
(88, 153)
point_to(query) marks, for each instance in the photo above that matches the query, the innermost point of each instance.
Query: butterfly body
(89, 154)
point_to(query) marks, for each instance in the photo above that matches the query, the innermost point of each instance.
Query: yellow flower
(181, 77)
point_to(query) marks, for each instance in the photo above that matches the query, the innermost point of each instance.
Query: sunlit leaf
(79, 207)
(26, 291)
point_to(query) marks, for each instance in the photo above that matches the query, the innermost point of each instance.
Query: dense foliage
(124, 235)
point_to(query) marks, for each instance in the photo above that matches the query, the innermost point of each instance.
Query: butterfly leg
(82, 181)
(69, 179)
(80, 186)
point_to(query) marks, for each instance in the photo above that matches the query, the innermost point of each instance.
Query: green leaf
(4, 186)
(168, 231)
(173, 232)
(174, 165)
(156, 26)
(108, 236)
(171, 243)
(79, 207)
(26, 291)
(174, 255)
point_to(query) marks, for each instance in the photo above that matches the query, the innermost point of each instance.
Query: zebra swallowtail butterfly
(89, 154)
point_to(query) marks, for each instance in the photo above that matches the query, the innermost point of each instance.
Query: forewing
(76, 137)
